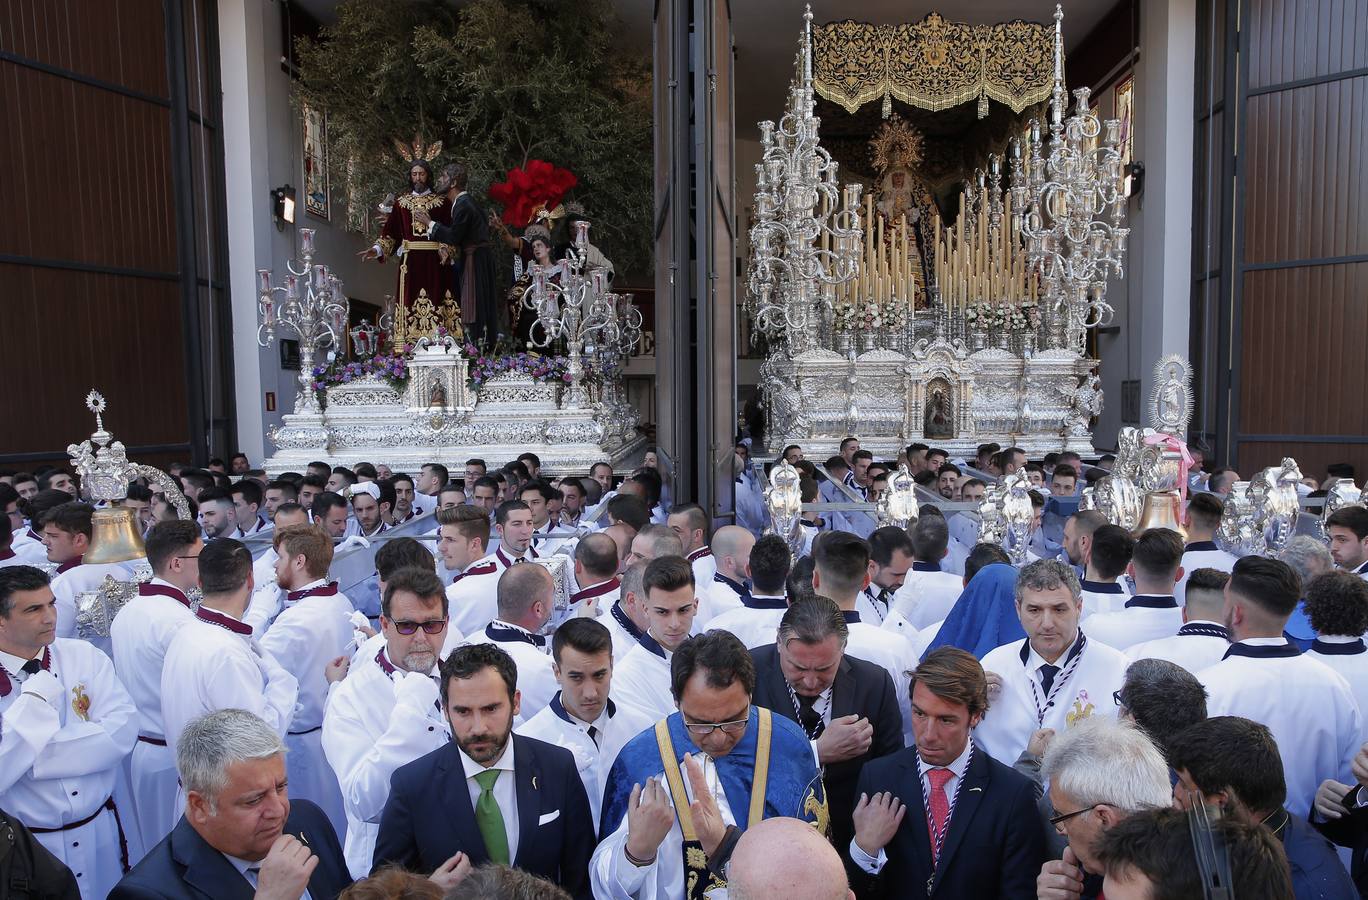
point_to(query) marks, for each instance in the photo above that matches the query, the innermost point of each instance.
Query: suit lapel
(971, 794)
(457, 806)
(843, 691)
(915, 820)
(207, 870)
(778, 689)
(527, 772)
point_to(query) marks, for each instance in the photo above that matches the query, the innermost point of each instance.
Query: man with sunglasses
(680, 794)
(384, 715)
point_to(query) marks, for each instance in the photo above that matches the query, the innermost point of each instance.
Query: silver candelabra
(1061, 199)
(315, 311)
(806, 236)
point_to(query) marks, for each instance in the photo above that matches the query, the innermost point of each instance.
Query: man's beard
(419, 661)
(490, 751)
(418, 187)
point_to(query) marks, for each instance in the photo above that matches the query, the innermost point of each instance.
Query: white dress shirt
(505, 791)
(874, 864)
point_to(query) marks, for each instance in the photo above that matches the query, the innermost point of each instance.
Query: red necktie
(939, 821)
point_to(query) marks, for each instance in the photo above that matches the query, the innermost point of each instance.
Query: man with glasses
(385, 715)
(680, 794)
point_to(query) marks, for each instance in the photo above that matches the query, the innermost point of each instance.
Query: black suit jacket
(429, 817)
(994, 848)
(1351, 830)
(184, 867)
(861, 688)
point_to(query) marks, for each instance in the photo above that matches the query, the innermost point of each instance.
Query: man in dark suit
(490, 795)
(469, 234)
(847, 706)
(945, 814)
(240, 837)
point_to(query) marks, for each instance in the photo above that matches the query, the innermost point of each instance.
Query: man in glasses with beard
(387, 714)
(488, 795)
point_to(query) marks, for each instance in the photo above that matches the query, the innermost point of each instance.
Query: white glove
(45, 686)
(354, 540)
(417, 690)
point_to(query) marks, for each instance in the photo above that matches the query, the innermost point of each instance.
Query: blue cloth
(1317, 873)
(1298, 629)
(794, 787)
(984, 617)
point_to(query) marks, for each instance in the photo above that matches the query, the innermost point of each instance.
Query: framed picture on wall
(316, 202)
(1125, 108)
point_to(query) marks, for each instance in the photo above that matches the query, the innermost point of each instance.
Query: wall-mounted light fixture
(1135, 179)
(283, 205)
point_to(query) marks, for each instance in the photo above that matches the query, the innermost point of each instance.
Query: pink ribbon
(1169, 442)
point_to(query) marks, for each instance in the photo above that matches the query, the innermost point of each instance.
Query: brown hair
(311, 542)
(953, 675)
(470, 521)
(392, 883)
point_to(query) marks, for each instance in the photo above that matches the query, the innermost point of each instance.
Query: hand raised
(994, 686)
(1330, 799)
(1060, 879)
(336, 669)
(876, 821)
(1359, 766)
(286, 869)
(845, 738)
(1040, 742)
(707, 817)
(421, 216)
(649, 819)
(452, 872)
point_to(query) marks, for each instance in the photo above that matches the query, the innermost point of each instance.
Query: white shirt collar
(1264, 641)
(504, 762)
(13, 663)
(957, 766)
(1336, 638)
(1034, 660)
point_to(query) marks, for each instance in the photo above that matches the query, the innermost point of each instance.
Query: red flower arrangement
(538, 185)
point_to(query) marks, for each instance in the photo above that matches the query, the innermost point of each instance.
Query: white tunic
(594, 757)
(1197, 645)
(1014, 715)
(536, 680)
(1103, 596)
(1202, 555)
(1347, 656)
(59, 762)
(30, 549)
(927, 596)
(622, 628)
(1307, 705)
(473, 598)
(641, 681)
(70, 584)
(367, 734)
(756, 623)
(704, 566)
(715, 598)
(141, 633)
(9, 558)
(1144, 618)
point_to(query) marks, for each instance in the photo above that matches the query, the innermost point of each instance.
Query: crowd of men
(574, 686)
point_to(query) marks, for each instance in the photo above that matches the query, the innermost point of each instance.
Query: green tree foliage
(500, 82)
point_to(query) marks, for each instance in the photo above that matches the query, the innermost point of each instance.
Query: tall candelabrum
(806, 236)
(577, 306)
(315, 310)
(611, 332)
(1061, 196)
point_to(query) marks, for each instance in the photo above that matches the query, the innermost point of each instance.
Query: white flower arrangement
(847, 314)
(870, 316)
(895, 314)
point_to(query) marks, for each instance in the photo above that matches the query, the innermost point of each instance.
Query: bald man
(622, 535)
(730, 587)
(526, 601)
(786, 858)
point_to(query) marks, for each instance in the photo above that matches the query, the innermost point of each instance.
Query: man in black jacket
(28, 871)
(847, 706)
(469, 234)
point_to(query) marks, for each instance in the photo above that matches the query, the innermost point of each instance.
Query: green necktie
(489, 818)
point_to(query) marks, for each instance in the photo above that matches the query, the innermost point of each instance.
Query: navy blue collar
(503, 633)
(1362, 570)
(1152, 601)
(559, 709)
(1204, 629)
(742, 590)
(1350, 648)
(852, 617)
(1076, 649)
(652, 644)
(620, 616)
(926, 566)
(1263, 651)
(753, 602)
(1102, 587)
(1202, 545)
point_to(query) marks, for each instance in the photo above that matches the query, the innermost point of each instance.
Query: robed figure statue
(466, 231)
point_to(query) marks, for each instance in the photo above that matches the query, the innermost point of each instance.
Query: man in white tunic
(928, 593)
(626, 619)
(1348, 530)
(267, 597)
(1307, 705)
(690, 523)
(67, 531)
(1337, 605)
(582, 716)
(1202, 640)
(756, 623)
(525, 596)
(140, 634)
(1104, 588)
(1055, 677)
(462, 536)
(642, 678)
(1203, 517)
(472, 596)
(596, 564)
(1156, 566)
(729, 586)
(386, 714)
(314, 629)
(66, 725)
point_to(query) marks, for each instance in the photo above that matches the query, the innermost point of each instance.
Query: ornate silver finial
(104, 470)
(1171, 402)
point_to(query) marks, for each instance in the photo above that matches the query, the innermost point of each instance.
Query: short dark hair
(19, 578)
(930, 538)
(224, 566)
(811, 620)
(1207, 579)
(250, 491)
(770, 561)
(650, 479)
(289, 506)
(1206, 510)
(1228, 753)
(718, 653)
(583, 635)
(861, 454)
(1164, 698)
(402, 553)
(598, 553)
(73, 517)
(988, 449)
(1271, 584)
(697, 516)
(983, 555)
(1112, 547)
(286, 487)
(1355, 518)
(953, 675)
(1337, 603)
(325, 501)
(529, 456)
(169, 539)
(1158, 552)
(439, 470)
(488, 481)
(210, 495)
(476, 461)
(365, 469)
(667, 573)
(1064, 470)
(948, 467)
(1157, 844)
(843, 557)
(888, 540)
(799, 581)
(469, 660)
(836, 462)
(423, 583)
(470, 521)
(847, 439)
(540, 486)
(314, 481)
(629, 509)
(508, 507)
(345, 473)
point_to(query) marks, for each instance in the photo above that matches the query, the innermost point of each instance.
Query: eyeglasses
(432, 626)
(1116, 696)
(1056, 821)
(702, 729)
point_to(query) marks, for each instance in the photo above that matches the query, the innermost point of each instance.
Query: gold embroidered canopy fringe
(933, 64)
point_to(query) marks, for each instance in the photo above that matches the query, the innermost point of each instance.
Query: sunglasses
(432, 626)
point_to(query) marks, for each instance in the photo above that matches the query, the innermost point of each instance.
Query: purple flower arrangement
(392, 367)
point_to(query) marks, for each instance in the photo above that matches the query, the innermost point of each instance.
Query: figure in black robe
(469, 234)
